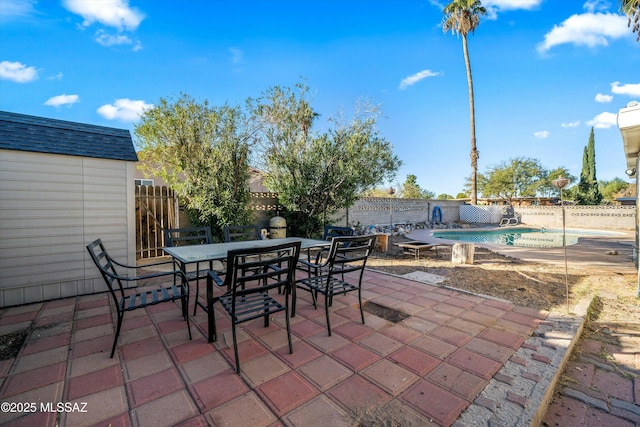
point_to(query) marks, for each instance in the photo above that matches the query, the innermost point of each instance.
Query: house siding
(51, 206)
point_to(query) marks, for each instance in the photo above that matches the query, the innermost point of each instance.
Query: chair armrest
(274, 267)
(309, 264)
(146, 276)
(217, 280)
(320, 254)
(311, 267)
(141, 266)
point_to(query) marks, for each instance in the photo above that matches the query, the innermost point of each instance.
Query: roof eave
(629, 125)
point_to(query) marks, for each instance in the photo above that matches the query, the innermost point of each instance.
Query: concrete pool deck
(601, 252)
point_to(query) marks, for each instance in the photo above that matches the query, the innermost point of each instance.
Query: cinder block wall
(383, 211)
(589, 217)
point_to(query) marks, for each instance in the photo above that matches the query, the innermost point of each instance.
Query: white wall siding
(51, 206)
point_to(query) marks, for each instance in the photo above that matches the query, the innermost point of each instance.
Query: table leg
(293, 297)
(210, 309)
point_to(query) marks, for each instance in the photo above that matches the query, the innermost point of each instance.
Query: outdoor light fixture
(560, 183)
(630, 172)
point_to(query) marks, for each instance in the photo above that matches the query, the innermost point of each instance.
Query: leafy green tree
(463, 17)
(444, 196)
(612, 189)
(519, 177)
(411, 189)
(316, 174)
(462, 195)
(588, 192)
(377, 192)
(202, 152)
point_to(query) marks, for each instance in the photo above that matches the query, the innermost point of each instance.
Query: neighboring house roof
(42, 135)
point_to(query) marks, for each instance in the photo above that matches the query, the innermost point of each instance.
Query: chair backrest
(234, 233)
(260, 269)
(187, 236)
(331, 231)
(349, 254)
(105, 264)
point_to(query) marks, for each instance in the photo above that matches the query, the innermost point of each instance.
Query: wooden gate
(156, 209)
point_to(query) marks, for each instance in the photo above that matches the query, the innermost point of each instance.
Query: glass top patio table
(218, 251)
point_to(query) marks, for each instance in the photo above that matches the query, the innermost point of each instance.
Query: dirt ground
(530, 284)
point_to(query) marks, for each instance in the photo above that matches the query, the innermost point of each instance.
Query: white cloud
(124, 109)
(603, 121)
(541, 134)
(493, 6)
(236, 55)
(112, 13)
(11, 9)
(571, 124)
(596, 5)
(110, 40)
(17, 72)
(57, 76)
(64, 99)
(601, 97)
(415, 78)
(626, 89)
(587, 29)
(512, 4)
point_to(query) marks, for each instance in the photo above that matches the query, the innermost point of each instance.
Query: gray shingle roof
(30, 133)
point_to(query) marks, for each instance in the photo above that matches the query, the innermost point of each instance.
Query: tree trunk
(472, 116)
(462, 253)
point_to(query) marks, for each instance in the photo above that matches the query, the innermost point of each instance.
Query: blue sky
(545, 71)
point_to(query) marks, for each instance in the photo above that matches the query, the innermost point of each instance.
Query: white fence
(480, 214)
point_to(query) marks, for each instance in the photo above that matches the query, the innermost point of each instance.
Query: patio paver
(426, 369)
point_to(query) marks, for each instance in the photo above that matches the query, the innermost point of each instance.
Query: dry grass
(536, 285)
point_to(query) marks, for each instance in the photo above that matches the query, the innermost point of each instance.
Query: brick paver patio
(423, 370)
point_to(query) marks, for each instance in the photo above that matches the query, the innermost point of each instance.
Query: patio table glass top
(218, 251)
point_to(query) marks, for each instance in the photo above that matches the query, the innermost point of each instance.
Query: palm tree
(463, 17)
(631, 8)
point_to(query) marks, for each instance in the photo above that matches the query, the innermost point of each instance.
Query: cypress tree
(591, 157)
(588, 188)
(584, 173)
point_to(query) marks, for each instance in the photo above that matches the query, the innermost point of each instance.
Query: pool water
(524, 237)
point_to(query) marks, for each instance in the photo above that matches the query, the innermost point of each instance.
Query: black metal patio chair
(237, 233)
(234, 233)
(331, 231)
(339, 274)
(191, 236)
(138, 298)
(250, 275)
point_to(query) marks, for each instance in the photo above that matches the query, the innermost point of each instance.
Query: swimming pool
(524, 237)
